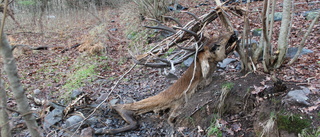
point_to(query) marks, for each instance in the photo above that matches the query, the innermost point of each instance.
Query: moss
(293, 123)
(228, 85)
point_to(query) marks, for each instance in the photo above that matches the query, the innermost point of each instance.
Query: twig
(194, 72)
(3, 18)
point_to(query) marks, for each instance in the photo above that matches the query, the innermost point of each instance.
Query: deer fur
(174, 96)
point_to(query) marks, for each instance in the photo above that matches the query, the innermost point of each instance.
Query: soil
(244, 112)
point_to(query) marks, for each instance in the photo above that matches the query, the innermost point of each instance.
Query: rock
(75, 94)
(92, 121)
(257, 32)
(52, 118)
(225, 62)
(72, 122)
(108, 121)
(177, 7)
(113, 29)
(113, 102)
(87, 132)
(36, 91)
(277, 16)
(128, 100)
(293, 50)
(189, 61)
(310, 15)
(297, 97)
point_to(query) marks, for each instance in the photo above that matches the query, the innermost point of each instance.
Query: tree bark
(4, 120)
(304, 39)
(267, 45)
(15, 85)
(284, 29)
(271, 20)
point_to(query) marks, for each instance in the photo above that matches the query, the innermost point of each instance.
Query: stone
(37, 91)
(92, 121)
(297, 97)
(257, 32)
(310, 15)
(72, 122)
(52, 118)
(277, 16)
(75, 94)
(113, 102)
(225, 62)
(293, 50)
(188, 61)
(87, 132)
(113, 29)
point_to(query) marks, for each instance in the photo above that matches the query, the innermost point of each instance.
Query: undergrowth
(214, 128)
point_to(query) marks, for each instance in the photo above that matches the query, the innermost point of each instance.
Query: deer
(208, 52)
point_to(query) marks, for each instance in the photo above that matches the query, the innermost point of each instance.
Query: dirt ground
(245, 111)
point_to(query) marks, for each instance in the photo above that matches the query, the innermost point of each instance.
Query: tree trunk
(283, 41)
(304, 39)
(4, 121)
(267, 44)
(15, 85)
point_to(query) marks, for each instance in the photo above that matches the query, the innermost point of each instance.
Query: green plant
(169, 51)
(80, 76)
(191, 121)
(214, 128)
(228, 85)
(310, 133)
(292, 123)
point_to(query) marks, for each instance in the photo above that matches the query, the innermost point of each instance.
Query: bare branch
(175, 20)
(190, 32)
(193, 15)
(160, 26)
(185, 39)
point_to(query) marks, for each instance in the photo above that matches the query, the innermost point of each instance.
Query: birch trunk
(283, 36)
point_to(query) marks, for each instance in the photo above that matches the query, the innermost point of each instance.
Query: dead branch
(184, 38)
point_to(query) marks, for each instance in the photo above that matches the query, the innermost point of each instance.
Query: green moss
(79, 77)
(228, 85)
(293, 123)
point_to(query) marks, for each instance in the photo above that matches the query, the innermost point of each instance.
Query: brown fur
(174, 96)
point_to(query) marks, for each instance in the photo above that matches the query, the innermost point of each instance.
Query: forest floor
(56, 74)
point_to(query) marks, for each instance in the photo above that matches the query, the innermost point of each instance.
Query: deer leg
(173, 115)
(128, 116)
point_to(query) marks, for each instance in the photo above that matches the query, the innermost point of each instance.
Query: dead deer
(173, 97)
(211, 52)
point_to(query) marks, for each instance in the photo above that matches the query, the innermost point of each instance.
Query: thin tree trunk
(4, 120)
(15, 85)
(267, 45)
(271, 23)
(284, 29)
(304, 39)
(14, 81)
